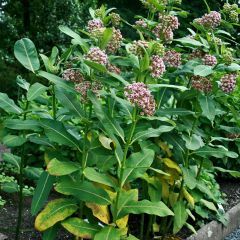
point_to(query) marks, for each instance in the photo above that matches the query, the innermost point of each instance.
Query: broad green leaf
(137, 164)
(174, 111)
(180, 216)
(44, 186)
(145, 206)
(108, 233)
(119, 78)
(202, 70)
(189, 178)
(60, 168)
(41, 141)
(26, 54)
(9, 187)
(50, 233)
(155, 87)
(233, 173)
(96, 66)
(56, 132)
(35, 91)
(94, 176)
(13, 141)
(57, 81)
(107, 36)
(81, 228)
(22, 83)
(189, 41)
(233, 67)
(85, 191)
(151, 132)
(208, 107)
(209, 205)
(32, 173)
(193, 142)
(8, 104)
(70, 102)
(218, 152)
(55, 211)
(18, 124)
(12, 159)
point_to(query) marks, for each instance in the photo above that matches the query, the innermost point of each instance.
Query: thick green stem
(127, 145)
(21, 185)
(208, 8)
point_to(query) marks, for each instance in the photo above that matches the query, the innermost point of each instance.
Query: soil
(8, 214)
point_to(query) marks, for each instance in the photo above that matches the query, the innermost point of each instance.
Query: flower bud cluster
(113, 68)
(228, 83)
(157, 66)
(141, 23)
(158, 49)
(211, 20)
(73, 75)
(139, 95)
(94, 24)
(197, 54)
(209, 60)
(115, 18)
(228, 57)
(97, 55)
(232, 11)
(115, 42)
(137, 47)
(172, 58)
(201, 84)
(85, 86)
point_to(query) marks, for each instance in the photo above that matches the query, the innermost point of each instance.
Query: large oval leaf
(35, 91)
(26, 54)
(19, 124)
(80, 228)
(55, 211)
(108, 233)
(8, 104)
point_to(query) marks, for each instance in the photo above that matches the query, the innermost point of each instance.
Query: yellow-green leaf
(100, 211)
(171, 164)
(106, 142)
(55, 211)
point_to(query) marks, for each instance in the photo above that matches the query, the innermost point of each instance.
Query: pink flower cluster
(141, 23)
(228, 83)
(210, 60)
(138, 94)
(94, 24)
(72, 75)
(96, 55)
(164, 30)
(85, 86)
(157, 66)
(116, 41)
(197, 54)
(172, 58)
(211, 20)
(113, 68)
(201, 84)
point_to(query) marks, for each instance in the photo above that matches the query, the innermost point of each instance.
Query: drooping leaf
(218, 152)
(60, 168)
(209, 205)
(44, 186)
(22, 83)
(180, 216)
(100, 211)
(106, 142)
(56, 132)
(55, 211)
(233, 173)
(35, 91)
(84, 191)
(26, 54)
(8, 104)
(9, 187)
(12, 159)
(108, 233)
(81, 228)
(96, 66)
(137, 164)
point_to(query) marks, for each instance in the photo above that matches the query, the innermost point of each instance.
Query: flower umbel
(139, 95)
(228, 83)
(72, 75)
(97, 55)
(172, 58)
(157, 66)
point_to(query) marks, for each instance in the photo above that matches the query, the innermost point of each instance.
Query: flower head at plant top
(210, 20)
(113, 68)
(116, 41)
(94, 24)
(172, 58)
(201, 84)
(141, 23)
(157, 66)
(115, 18)
(210, 60)
(228, 83)
(85, 86)
(158, 49)
(72, 75)
(97, 55)
(137, 47)
(139, 95)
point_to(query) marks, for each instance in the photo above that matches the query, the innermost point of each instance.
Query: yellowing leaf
(100, 211)
(171, 164)
(165, 190)
(189, 197)
(165, 148)
(106, 142)
(173, 197)
(111, 194)
(122, 222)
(55, 211)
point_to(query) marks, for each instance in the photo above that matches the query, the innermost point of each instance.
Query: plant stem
(54, 102)
(142, 227)
(200, 169)
(20, 194)
(208, 8)
(127, 145)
